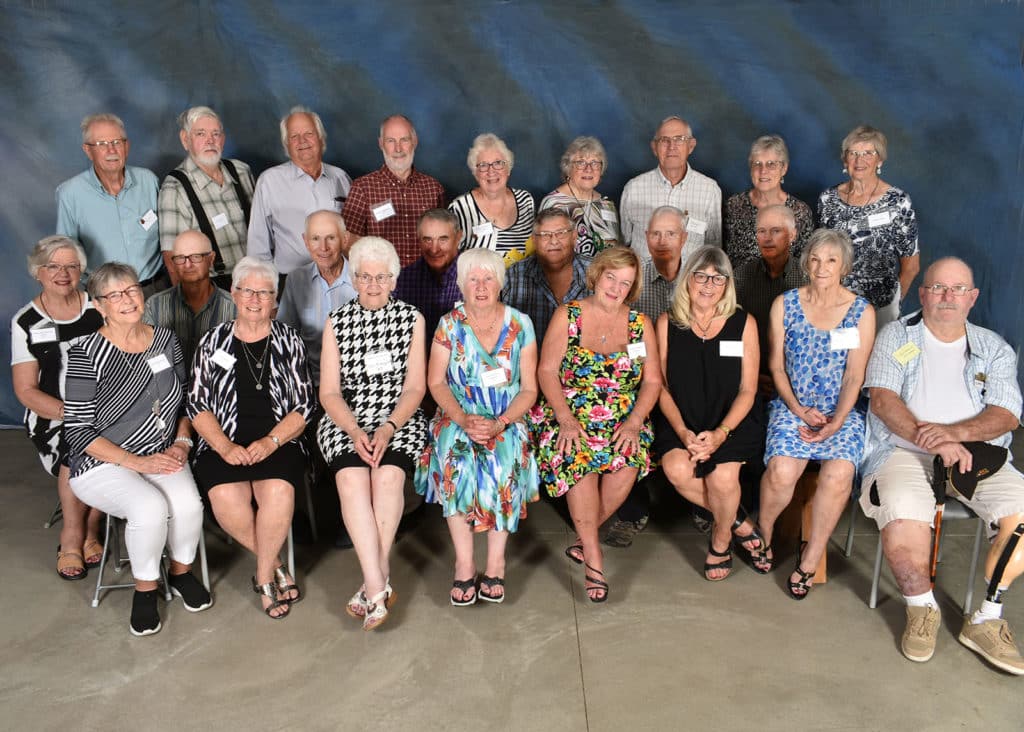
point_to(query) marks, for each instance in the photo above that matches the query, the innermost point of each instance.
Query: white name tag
(609, 215)
(378, 362)
(484, 229)
(882, 218)
(158, 363)
(842, 339)
(696, 226)
(493, 377)
(223, 359)
(636, 350)
(148, 220)
(730, 349)
(383, 211)
(43, 335)
(219, 221)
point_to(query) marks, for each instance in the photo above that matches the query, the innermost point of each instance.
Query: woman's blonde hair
(618, 257)
(680, 310)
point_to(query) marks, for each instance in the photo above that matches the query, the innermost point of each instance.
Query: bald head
(325, 239)
(188, 247)
(948, 268)
(947, 295)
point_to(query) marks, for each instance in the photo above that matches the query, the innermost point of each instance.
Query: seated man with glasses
(111, 207)
(553, 275)
(939, 386)
(194, 306)
(672, 183)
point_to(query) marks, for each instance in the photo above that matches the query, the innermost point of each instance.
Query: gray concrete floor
(668, 651)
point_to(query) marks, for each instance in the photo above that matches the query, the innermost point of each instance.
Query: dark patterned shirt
(756, 290)
(527, 290)
(740, 223)
(431, 295)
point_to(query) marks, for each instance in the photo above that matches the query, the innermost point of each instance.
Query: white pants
(160, 509)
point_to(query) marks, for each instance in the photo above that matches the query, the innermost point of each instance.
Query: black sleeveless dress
(704, 383)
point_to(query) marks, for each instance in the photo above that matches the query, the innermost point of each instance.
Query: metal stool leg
(55, 516)
(975, 556)
(873, 602)
(202, 562)
(309, 482)
(111, 548)
(849, 532)
(291, 553)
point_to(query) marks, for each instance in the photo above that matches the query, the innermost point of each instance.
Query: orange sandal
(92, 550)
(70, 566)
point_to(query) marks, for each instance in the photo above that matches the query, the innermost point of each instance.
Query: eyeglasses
(193, 258)
(53, 269)
(557, 234)
(673, 140)
(941, 290)
(717, 280)
(115, 297)
(584, 164)
(766, 164)
(248, 293)
(858, 154)
(772, 232)
(113, 144)
(381, 279)
(496, 165)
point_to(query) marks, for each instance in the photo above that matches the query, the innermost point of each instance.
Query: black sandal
(754, 535)
(803, 584)
(465, 586)
(727, 564)
(599, 585)
(570, 552)
(490, 583)
(760, 562)
(270, 590)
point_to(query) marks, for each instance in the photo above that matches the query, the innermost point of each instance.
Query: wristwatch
(275, 439)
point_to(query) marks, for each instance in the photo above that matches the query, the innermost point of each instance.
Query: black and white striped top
(478, 231)
(214, 387)
(109, 393)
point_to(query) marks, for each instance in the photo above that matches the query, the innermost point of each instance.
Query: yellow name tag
(906, 353)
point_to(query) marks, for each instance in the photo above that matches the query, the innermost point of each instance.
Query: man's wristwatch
(275, 439)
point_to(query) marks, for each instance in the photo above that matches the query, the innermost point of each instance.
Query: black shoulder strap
(201, 218)
(239, 191)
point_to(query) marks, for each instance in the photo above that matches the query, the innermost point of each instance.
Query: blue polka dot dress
(816, 376)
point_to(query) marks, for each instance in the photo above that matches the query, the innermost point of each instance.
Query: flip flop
(489, 583)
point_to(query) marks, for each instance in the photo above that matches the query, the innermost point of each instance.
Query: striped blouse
(513, 243)
(132, 399)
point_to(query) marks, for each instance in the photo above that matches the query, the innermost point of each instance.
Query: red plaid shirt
(410, 198)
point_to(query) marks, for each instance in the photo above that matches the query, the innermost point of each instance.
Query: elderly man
(553, 275)
(287, 193)
(111, 207)
(429, 282)
(760, 281)
(193, 306)
(939, 386)
(208, 193)
(674, 183)
(388, 202)
(313, 290)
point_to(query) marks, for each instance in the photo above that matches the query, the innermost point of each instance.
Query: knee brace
(995, 593)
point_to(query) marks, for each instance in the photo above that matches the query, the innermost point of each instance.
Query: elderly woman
(595, 217)
(821, 337)
(371, 384)
(707, 428)
(41, 334)
(768, 161)
(250, 398)
(492, 215)
(128, 441)
(593, 435)
(880, 221)
(478, 463)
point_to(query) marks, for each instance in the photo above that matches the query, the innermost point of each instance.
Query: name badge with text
(493, 377)
(730, 349)
(220, 221)
(378, 362)
(906, 353)
(484, 229)
(43, 335)
(384, 210)
(148, 219)
(609, 215)
(158, 363)
(882, 218)
(843, 339)
(223, 359)
(696, 226)
(636, 350)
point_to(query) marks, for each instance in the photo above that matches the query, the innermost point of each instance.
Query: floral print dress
(601, 390)
(492, 483)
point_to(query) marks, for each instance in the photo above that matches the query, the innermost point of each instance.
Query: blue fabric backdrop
(942, 79)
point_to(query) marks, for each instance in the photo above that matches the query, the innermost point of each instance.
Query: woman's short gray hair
(828, 238)
(772, 143)
(865, 133)
(580, 146)
(374, 249)
(479, 258)
(107, 273)
(247, 267)
(46, 247)
(488, 141)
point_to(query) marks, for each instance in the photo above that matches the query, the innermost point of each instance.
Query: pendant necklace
(254, 364)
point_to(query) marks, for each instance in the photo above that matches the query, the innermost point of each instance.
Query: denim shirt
(990, 378)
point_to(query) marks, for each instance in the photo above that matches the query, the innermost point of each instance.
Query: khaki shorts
(902, 489)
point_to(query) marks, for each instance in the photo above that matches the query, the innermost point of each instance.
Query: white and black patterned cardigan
(214, 390)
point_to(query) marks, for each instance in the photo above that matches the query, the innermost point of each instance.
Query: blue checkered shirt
(527, 290)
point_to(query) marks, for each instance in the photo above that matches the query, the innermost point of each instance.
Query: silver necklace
(156, 408)
(255, 365)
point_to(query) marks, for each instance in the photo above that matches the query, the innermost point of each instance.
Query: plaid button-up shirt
(527, 290)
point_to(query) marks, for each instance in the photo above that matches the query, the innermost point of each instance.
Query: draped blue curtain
(942, 79)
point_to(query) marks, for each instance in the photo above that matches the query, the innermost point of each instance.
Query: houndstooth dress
(361, 332)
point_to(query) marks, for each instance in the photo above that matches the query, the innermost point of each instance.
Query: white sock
(921, 600)
(987, 611)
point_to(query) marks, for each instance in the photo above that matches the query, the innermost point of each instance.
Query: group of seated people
(570, 350)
